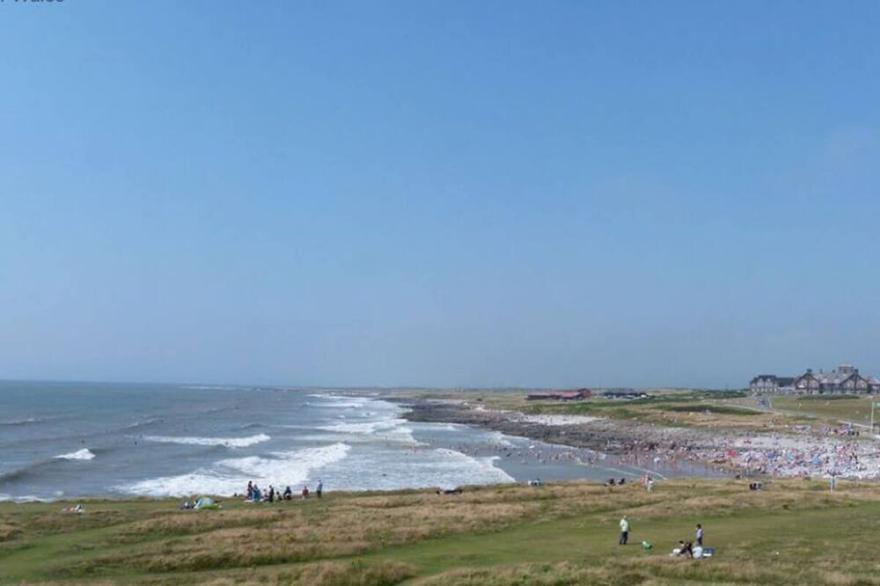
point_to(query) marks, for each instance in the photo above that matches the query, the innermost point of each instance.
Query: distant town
(584, 394)
(845, 379)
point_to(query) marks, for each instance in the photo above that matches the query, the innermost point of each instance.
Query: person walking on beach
(699, 535)
(624, 531)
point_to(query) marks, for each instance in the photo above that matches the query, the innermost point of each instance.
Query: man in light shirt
(624, 531)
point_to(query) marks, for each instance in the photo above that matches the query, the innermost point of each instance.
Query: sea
(71, 440)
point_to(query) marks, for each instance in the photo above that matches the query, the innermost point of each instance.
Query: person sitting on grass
(288, 494)
(686, 549)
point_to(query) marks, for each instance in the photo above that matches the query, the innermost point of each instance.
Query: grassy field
(672, 407)
(834, 408)
(794, 532)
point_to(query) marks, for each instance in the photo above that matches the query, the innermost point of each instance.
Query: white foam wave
(230, 442)
(392, 469)
(365, 427)
(342, 401)
(83, 454)
(389, 430)
(27, 420)
(481, 469)
(499, 439)
(231, 475)
(22, 499)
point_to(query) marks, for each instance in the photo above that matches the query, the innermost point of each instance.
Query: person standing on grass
(319, 490)
(699, 535)
(624, 531)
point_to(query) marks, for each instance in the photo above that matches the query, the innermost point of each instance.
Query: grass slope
(793, 532)
(833, 408)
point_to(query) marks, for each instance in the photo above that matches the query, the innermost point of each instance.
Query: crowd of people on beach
(254, 494)
(811, 452)
(831, 454)
(799, 450)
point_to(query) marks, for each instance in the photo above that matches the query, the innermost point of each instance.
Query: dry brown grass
(325, 574)
(647, 571)
(194, 541)
(8, 531)
(302, 542)
(291, 533)
(350, 573)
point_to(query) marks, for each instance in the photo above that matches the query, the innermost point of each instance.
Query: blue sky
(438, 193)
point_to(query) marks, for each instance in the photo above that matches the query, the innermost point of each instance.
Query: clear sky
(438, 193)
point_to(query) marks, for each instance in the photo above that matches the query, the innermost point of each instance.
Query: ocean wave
(230, 442)
(367, 426)
(35, 470)
(342, 401)
(482, 468)
(389, 430)
(393, 469)
(22, 499)
(231, 475)
(292, 466)
(27, 421)
(83, 454)
(139, 424)
(29, 471)
(497, 438)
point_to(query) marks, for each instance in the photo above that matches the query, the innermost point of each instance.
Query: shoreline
(795, 453)
(634, 444)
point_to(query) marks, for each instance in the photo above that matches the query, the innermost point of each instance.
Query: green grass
(793, 532)
(682, 409)
(835, 408)
(711, 408)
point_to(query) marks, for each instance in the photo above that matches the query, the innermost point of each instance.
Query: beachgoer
(319, 490)
(686, 548)
(624, 531)
(650, 484)
(699, 535)
(271, 494)
(258, 495)
(288, 494)
(305, 492)
(250, 490)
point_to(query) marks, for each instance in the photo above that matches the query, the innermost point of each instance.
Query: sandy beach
(800, 451)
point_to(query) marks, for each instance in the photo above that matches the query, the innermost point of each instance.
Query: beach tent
(205, 503)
